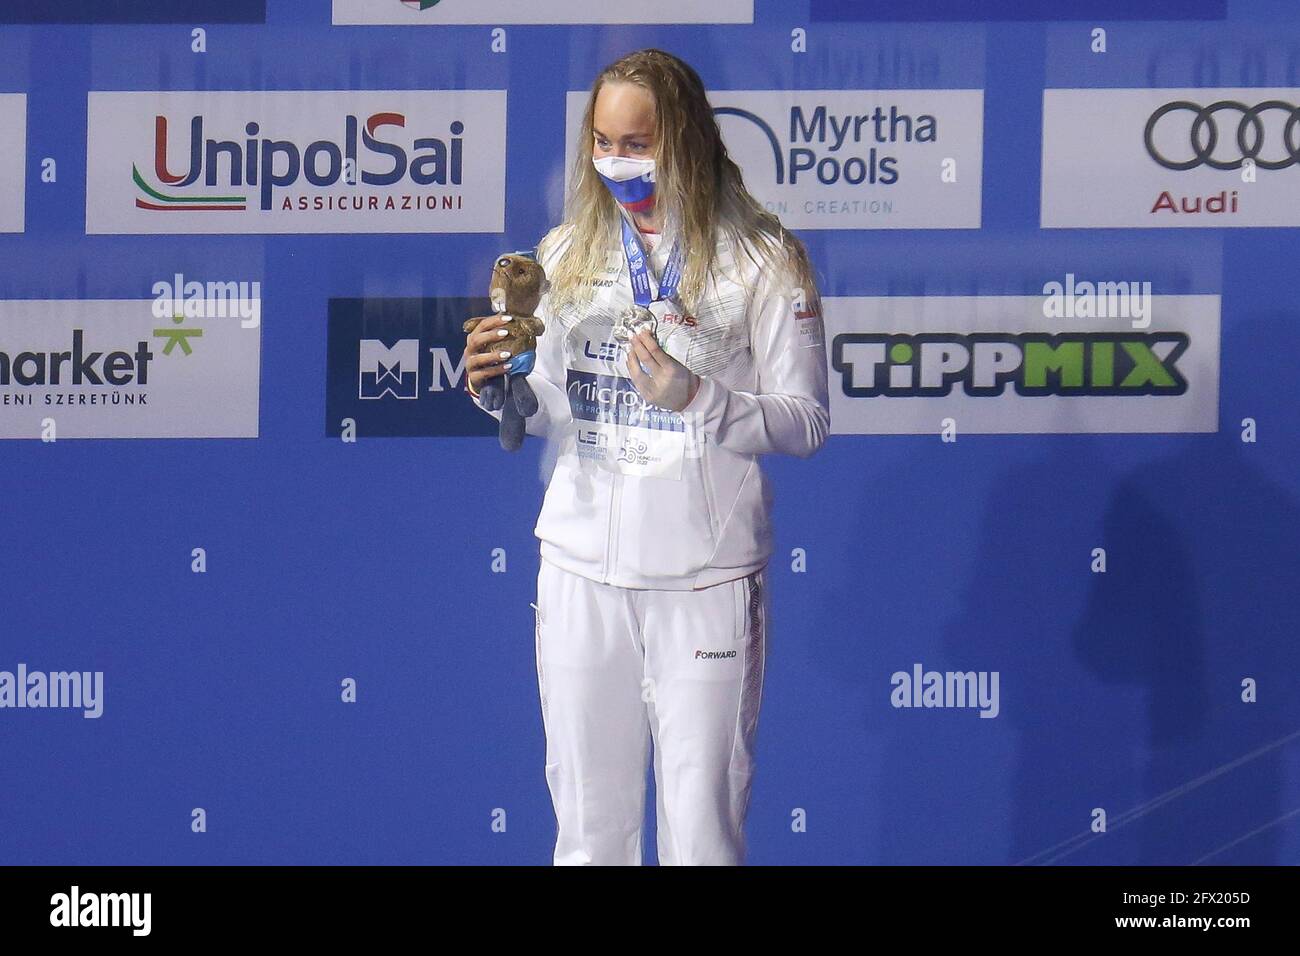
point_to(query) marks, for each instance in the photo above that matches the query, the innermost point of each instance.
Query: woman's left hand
(666, 382)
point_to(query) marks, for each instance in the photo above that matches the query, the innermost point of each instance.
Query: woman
(683, 339)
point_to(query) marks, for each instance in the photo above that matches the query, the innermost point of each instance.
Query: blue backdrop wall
(1160, 690)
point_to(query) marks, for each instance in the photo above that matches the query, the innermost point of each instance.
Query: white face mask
(622, 168)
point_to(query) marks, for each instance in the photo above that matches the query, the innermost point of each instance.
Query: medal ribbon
(639, 273)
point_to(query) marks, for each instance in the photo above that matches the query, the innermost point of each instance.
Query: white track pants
(618, 668)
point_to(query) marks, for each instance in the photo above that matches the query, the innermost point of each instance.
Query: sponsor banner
(13, 161)
(442, 12)
(133, 11)
(850, 159)
(296, 162)
(1000, 365)
(959, 10)
(1171, 158)
(112, 368)
(395, 368)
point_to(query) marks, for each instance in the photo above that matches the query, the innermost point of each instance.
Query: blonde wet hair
(698, 189)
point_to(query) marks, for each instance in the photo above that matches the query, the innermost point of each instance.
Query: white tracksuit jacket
(674, 501)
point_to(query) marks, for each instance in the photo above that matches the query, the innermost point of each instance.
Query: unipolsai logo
(222, 174)
(296, 161)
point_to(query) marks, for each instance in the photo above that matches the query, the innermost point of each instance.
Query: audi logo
(1204, 134)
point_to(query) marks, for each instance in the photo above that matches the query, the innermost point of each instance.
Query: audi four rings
(1205, 124)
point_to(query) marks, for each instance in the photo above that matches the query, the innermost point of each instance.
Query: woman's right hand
(483, 358)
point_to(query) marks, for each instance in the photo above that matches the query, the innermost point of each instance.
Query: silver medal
(636, 318)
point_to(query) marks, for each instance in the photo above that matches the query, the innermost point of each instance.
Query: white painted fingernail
(504, 354)
(503, 331)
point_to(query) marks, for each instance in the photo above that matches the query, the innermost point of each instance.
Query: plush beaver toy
(517, 286)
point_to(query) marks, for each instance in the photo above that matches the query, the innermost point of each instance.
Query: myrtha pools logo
(851, 159)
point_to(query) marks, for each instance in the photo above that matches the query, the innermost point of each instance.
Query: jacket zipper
(708, 497)
(611, 539)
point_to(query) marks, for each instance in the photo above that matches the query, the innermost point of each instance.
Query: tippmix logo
(1032, 363)
(1086, 356)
